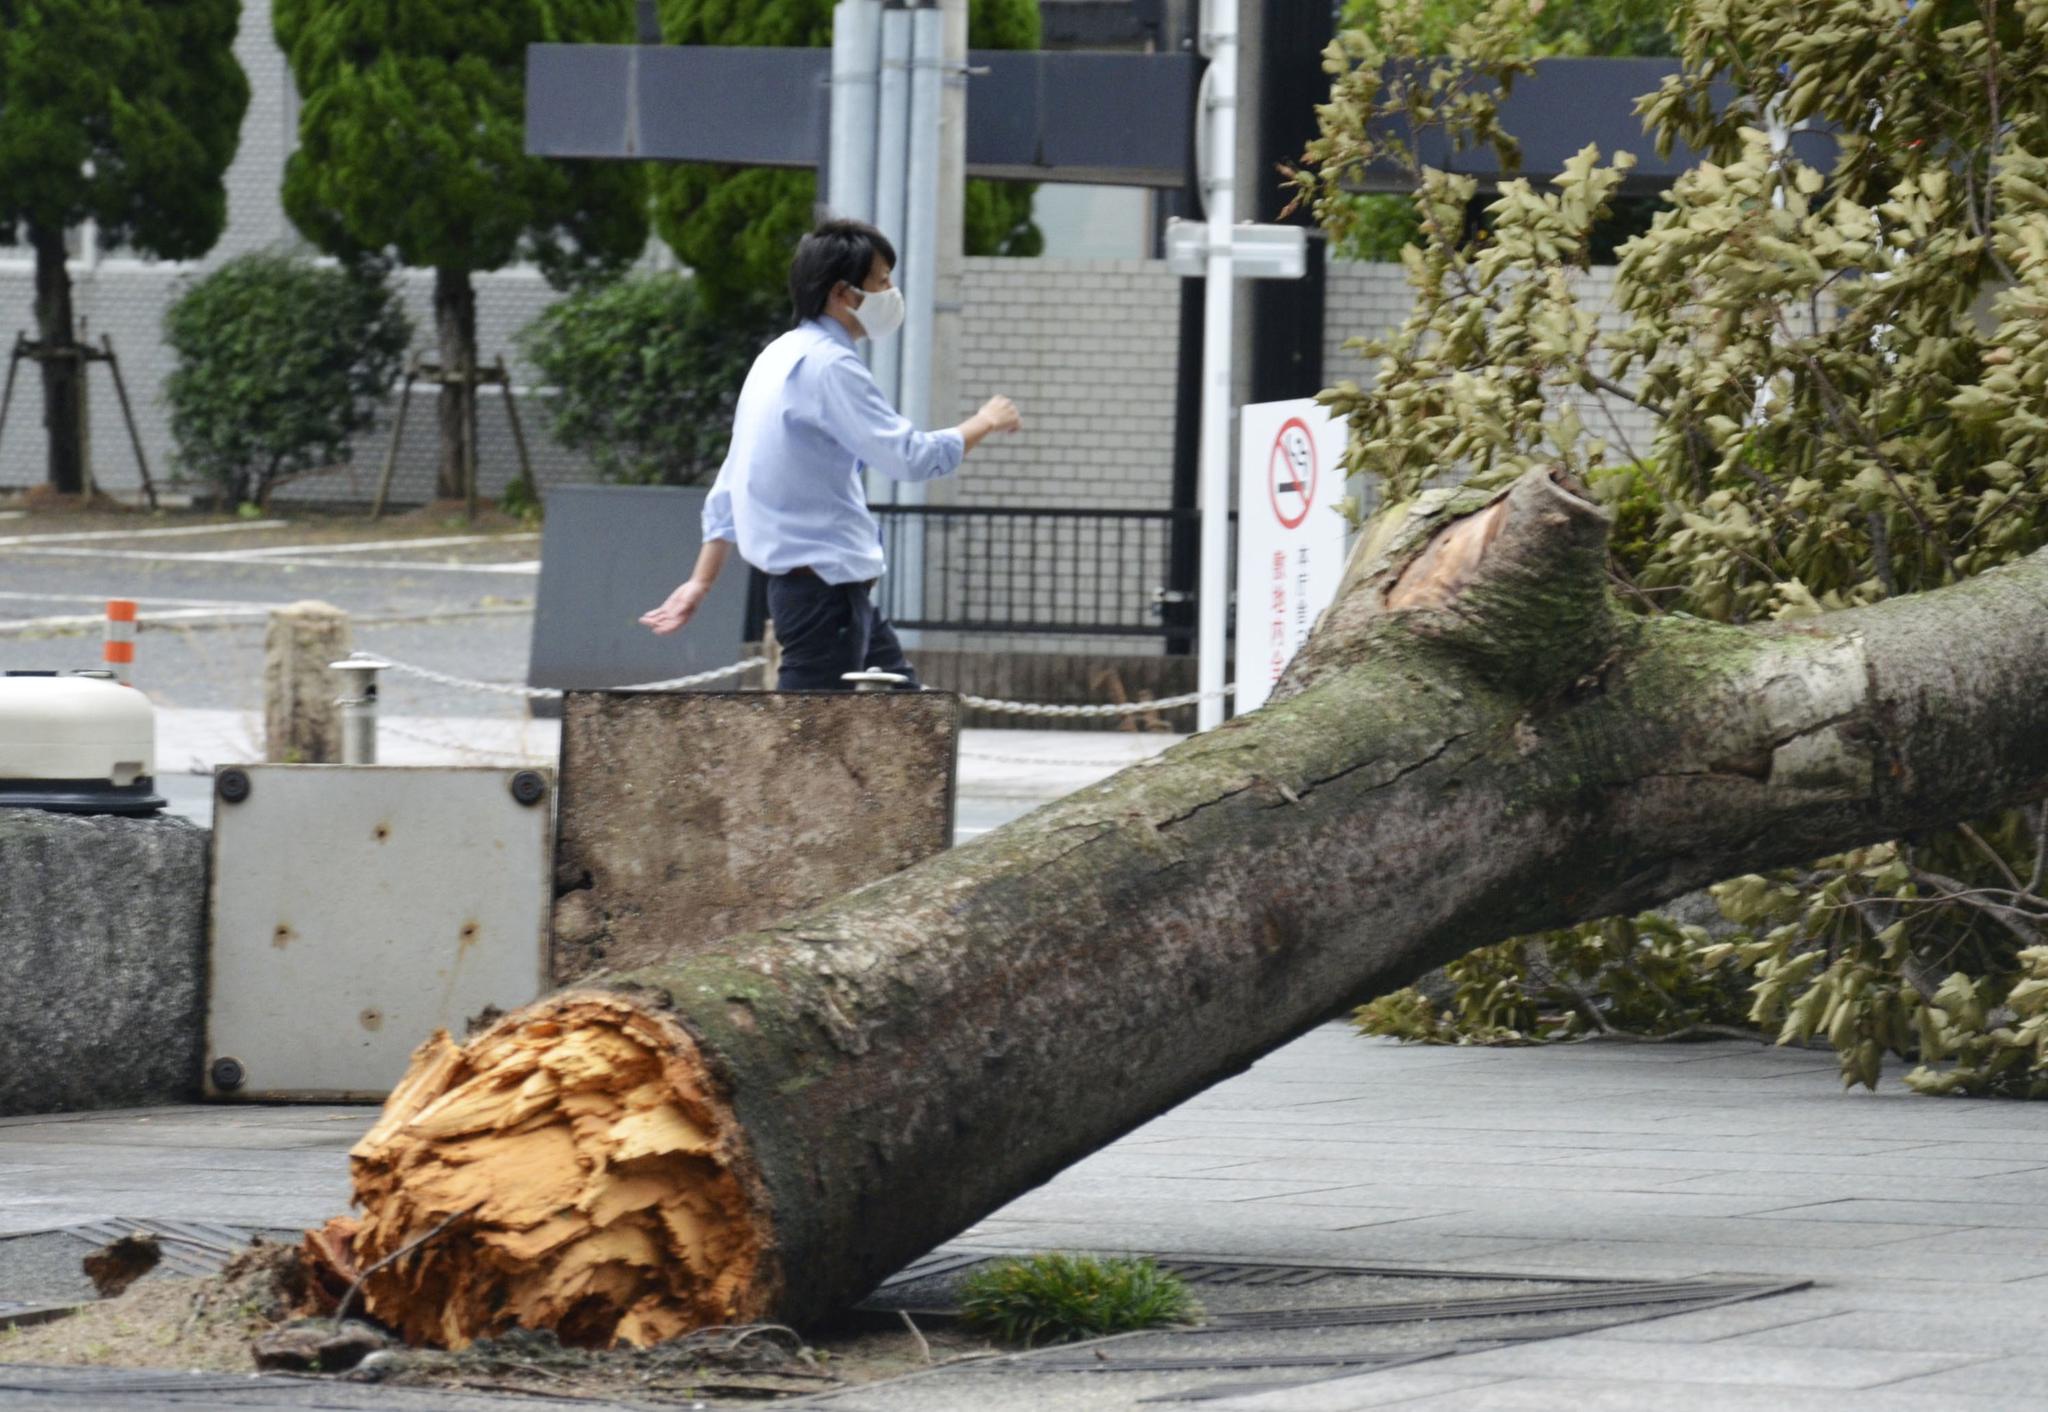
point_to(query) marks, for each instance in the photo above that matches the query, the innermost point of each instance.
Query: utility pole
(1219, 294)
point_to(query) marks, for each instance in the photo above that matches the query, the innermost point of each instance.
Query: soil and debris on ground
(261, 1301)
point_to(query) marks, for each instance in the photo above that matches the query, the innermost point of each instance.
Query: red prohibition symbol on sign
(1291, 473)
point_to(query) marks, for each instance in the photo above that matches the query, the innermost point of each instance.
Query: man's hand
(999, 413)
(677, 610)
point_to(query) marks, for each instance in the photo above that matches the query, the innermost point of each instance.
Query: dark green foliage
(412, 134)
(148, 95)
(645, 375)
(1383, 225)
(738, 227)
(1058, 1298)
(280, 362)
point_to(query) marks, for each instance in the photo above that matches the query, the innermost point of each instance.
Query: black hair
(835, 251)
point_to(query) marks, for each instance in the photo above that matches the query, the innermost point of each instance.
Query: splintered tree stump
(1475, 743)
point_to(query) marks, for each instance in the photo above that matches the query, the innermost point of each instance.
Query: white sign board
(1290, 538)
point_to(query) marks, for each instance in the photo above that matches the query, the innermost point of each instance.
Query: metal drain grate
(1615, 1296)
(1200, 1272)
(190, 1248)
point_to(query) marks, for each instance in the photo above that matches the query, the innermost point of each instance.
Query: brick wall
(1089, 351)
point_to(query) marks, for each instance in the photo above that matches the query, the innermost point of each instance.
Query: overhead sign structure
(1290, 538)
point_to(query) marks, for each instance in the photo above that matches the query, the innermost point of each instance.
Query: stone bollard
(301, 721)
(102, 959)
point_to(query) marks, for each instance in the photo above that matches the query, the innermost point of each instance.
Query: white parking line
(281, 550)
(15, 627)
(160, 532)
(152, 602)
(316, 560)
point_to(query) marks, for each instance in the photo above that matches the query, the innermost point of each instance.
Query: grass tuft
(1056, 1298)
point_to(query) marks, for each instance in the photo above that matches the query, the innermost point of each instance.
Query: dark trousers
(827, 630)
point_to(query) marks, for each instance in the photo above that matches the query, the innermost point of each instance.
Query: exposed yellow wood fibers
(603, 1189)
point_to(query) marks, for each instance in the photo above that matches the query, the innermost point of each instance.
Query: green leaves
(645, 374)
(121, 112)
(411, 138)
(1848, 371)
(1056, 1298)
(280, 363)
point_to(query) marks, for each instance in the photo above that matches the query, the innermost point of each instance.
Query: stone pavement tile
(1913, 1165)
(1962, 1248)
(1781, 1311)
(1237, 1184)
(2018, 1382)
(1542, 1175)
(1370, 1245)
(1950, 1331)
(1961, 1209)
(1155, 1160)
(1806, 1188)
(1044, 1207)
(1613, 1395)
(1635, 1258)
(1729, 1364)
(1534, 1223)
(1382, 1389)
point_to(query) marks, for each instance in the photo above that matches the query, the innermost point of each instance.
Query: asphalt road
(446, 595)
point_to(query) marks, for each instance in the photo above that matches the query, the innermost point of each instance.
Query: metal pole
(919, 277)
(856, 57)
(1218, 294)
(128, 415)
(391, 451)
(892, 131)
(503, 378)
(358, 703)
(7, 395)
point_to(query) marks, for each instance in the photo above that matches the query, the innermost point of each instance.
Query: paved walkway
(1922, 1222)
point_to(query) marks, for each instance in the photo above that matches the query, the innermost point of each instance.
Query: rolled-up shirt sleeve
(718, 509)
(852, 410)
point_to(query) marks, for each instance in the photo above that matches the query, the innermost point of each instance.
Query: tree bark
(455, 325)
(63, 370)
(1475, 743)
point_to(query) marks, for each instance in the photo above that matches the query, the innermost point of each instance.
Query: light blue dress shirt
(809, 419)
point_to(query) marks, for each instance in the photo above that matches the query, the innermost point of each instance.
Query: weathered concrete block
(689, 816)
(102, 940)
(301, 722)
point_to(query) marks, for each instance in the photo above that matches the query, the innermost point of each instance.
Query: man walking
(790, 493)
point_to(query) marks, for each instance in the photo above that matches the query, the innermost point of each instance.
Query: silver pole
(856, 58)
(892, 130)
(1217, 390)
(358, 703)
(920, 280)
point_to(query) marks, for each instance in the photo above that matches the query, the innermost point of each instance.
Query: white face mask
(880, 312)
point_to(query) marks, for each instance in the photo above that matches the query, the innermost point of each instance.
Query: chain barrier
(979, 703)
(1128, 708)
(548, 693)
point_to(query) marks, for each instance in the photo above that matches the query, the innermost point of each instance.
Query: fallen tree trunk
(1474, 744)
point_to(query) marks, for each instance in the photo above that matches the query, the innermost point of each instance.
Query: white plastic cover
(75, 728)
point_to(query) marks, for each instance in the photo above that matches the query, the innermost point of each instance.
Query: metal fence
(1094, 573)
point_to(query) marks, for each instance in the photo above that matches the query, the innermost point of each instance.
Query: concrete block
(102, 937)
(690, 816)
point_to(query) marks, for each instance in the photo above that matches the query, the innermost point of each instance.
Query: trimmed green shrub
(280, 362)
(645, 375)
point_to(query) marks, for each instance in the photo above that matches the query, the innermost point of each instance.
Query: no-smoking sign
(1291, 473)
(1290, 543)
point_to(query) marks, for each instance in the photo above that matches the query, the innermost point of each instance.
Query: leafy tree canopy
(123, 113)
(736, 227)
(1846, 368)
(412, 137)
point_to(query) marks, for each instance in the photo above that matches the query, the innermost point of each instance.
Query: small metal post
(358, 703)
(875, 681)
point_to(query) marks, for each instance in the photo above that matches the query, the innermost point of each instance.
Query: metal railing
(1092, 573)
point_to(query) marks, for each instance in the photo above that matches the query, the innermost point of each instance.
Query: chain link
(979, 703)
(1129, 708)
(548, 693)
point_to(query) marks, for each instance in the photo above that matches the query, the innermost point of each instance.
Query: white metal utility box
(358, 908)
